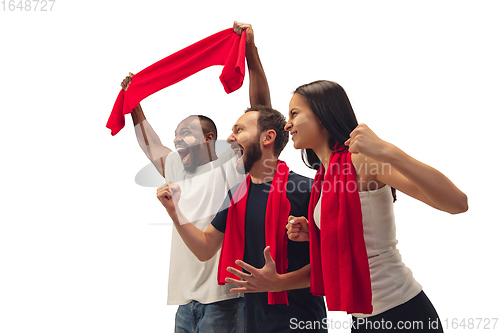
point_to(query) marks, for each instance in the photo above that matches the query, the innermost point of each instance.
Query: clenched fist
(169, 195)
(298, 229)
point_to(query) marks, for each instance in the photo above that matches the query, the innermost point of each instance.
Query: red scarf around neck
(339, 262)
(223, 48)
(277, 212)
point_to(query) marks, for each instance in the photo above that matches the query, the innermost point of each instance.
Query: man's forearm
(296, 280)
(149, 141)
(138, 115)
(194, 238)
(259, 88)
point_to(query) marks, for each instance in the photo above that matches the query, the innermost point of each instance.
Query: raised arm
(203, 244)
(146, 136)
(259, 88)
(390, 165)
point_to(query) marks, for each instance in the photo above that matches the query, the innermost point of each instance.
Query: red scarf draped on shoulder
(277, 212)
(339, 263)
(223, 48)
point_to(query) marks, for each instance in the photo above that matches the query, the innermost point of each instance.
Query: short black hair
(270, 118)
(207, 125)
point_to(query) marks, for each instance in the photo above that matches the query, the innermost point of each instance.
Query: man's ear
(268, 137)
(209, 136)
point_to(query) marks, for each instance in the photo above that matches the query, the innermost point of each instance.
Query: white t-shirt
(392, 282)
(202, 194)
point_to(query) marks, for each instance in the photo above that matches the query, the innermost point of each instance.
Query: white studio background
(83, 248)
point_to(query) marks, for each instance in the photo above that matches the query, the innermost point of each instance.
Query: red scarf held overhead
(223, 48)
(339, 262)
(277, 212)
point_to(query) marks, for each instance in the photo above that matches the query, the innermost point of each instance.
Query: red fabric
(223, 48)
(277, 212)
(339, 263)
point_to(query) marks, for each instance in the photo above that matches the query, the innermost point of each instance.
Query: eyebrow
(181, 129)
(292, 110)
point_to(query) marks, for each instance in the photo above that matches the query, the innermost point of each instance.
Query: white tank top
(392, 282)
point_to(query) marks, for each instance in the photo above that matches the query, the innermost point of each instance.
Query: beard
(252, 154)
(194, 152)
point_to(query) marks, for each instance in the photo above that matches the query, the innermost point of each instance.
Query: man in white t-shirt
(205, 178)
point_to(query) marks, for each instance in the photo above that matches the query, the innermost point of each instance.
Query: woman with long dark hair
(351, 227)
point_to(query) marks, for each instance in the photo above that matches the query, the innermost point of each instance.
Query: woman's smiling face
(304, 126)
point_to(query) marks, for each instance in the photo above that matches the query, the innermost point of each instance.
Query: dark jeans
(220, 317)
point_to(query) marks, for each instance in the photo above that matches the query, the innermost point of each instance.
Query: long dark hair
(329, 102)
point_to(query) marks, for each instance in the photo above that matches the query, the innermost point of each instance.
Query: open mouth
(184, 154)
(239, 151)
(293, 134)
